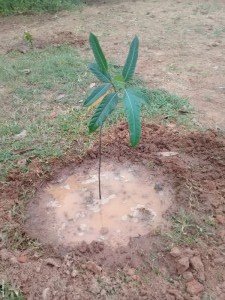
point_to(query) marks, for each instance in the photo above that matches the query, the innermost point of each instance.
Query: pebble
(194, 287)
(46, 294)
(188, 276)
(131, 272)
(175, 252)
(21, 135)
(53, 262)
(182, 265)
(158, 187)
(104, 230)
(74, 273)
(198, 266)
(93, 267)
(220, 219)
(22, 259)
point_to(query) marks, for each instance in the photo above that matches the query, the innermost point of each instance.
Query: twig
(100, 162)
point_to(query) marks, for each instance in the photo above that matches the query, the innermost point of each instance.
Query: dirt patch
(69, 211)
(59, 38)
(145, 268)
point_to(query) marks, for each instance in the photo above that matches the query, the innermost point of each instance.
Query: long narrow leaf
(130, 65)
(141, 97)
(97, 93)
(101, 76)
(98, 53)
(103, 111)
(132, 108)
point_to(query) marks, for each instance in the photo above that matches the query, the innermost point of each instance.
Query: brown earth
(145, 269)
(182, 43)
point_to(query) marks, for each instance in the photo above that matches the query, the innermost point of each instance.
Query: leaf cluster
(114, 89)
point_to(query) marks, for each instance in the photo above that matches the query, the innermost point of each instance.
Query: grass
(8, 7)
(9, 293)
(187, 229)
(41, 97)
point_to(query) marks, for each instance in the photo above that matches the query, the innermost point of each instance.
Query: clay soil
(183, 52)
(149, 267)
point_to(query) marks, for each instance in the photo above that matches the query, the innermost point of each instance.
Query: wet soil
(70, 211)
(146, 268)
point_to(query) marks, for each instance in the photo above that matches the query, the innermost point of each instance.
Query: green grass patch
(8, 7)
(9, 293)
(41, 95)
(188, 229)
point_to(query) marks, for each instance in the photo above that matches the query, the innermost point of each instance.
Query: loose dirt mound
(194, 164)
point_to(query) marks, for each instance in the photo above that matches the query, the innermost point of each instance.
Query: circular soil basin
(69, 211)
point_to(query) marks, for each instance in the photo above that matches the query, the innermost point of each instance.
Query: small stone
(103, 293)
(131, 272)
(74, 273)
(136, 278)
(21, 135)
(182, 265)
(38, 269)
(220, 219)
(93, 84)
(168, 153)
(60, 96)
(22, 162)
(222, 235)
(158, 187)
(53, 115)
(175, 252)
(26, 71)
(194, 287)
(82, 228)
(188, 276)
(53, 262)
(143, 292)
(93, 267)
(13, 260)
(22, 259)
(83, 247)
(46, 294)
(198, 266)
(104, 230)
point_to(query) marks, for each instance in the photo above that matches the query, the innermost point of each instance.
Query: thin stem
(100, 163)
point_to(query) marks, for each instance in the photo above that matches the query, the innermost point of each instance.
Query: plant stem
(100, 163)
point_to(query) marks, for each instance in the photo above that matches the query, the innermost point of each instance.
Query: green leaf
(97, 93)
(98, 53)
(130, 65)
(143, 98)
(103, 111)
(132, 108)
(101, 76)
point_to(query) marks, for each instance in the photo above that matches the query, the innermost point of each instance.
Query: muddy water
(70, 211)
